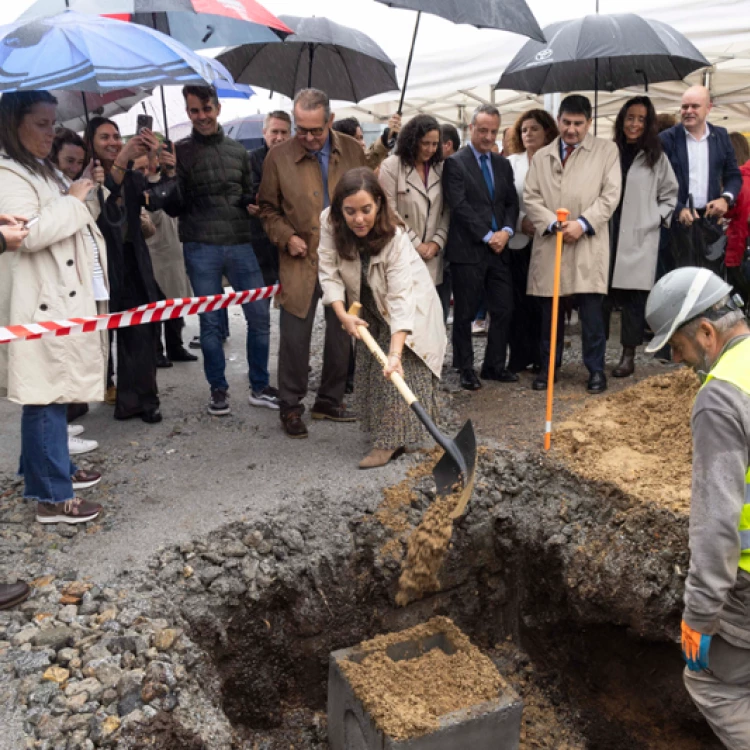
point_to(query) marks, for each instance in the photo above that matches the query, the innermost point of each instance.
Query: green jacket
(214, 178)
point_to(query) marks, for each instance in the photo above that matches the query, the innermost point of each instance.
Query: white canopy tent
(456, 67)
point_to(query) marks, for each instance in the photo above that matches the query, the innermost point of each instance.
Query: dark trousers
(492, 280)
(137, 391)
(632, 303)
(526, 322)
(594, 341)
(294, 357)
(172, 330)
(445, 290)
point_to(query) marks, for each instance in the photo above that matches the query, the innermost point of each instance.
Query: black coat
(131, 275)
(472, 208)
(214, 176)
(723, 173)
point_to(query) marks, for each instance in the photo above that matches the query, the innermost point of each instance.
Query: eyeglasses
(304, 132)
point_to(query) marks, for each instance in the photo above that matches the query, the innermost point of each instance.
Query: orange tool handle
(562, 215)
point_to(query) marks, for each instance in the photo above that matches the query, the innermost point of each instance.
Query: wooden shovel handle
(374, 347)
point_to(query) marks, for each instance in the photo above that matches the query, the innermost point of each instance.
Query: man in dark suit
(478, 187)
(703, 160)
(277, 128)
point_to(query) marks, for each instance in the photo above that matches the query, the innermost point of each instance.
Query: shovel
(455, 472)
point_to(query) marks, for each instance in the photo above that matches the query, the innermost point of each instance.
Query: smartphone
(30, 223)
(143, 121)
(167, 144)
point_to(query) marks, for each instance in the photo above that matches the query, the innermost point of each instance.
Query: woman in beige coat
(366, 257)
(411, 179)
(49, 277)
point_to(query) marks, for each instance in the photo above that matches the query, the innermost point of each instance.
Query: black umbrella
(343, 62)
(606, 52)
(506, 15)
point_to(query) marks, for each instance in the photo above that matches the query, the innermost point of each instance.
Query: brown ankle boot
(378, 457)
(627, 363)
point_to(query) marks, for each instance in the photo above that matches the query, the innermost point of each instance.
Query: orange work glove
(695, 647)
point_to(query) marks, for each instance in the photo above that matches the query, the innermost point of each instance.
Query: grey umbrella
(343, 62)
(606, 52)
(506, 15)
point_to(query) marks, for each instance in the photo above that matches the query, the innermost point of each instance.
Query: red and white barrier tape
(151, 313)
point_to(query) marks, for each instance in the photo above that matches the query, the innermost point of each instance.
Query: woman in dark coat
(131, 274)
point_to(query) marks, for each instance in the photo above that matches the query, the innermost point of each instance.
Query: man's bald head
(696, 104)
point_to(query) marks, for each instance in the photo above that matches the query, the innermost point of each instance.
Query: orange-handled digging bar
(562, 215)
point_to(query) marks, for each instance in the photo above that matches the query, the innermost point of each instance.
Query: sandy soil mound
(638, 440)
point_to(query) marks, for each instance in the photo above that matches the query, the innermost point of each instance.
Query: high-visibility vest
(734, 368)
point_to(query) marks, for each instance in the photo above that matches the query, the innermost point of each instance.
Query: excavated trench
(573, 589)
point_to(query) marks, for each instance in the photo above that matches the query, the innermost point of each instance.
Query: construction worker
(694, 311)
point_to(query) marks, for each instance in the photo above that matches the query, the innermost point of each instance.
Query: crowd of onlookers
(416, 228)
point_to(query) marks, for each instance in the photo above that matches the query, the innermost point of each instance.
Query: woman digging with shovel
(365, 256)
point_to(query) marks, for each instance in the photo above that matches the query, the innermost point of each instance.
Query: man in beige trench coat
(580, 173)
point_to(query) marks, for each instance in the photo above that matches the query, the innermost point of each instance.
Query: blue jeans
(205, 265)
(45, 461)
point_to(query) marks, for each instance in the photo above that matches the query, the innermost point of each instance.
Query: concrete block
(493, 725)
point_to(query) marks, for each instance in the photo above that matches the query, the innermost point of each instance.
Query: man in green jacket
(694, 311)
(213, 172)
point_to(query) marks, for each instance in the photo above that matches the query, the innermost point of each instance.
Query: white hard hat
(679, 297)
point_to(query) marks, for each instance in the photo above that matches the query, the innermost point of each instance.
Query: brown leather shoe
(627, 363)
(13, 593)
(293, 424)
(379, 457)
(339, 413)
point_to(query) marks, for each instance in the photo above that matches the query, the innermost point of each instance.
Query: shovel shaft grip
(374, 347)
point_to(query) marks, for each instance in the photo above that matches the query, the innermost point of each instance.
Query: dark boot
(627, 363)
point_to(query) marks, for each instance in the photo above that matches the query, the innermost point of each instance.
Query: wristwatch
(728, 198)
(3, 243)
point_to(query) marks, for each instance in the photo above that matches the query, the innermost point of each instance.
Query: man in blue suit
(703, 160)
(479, 190)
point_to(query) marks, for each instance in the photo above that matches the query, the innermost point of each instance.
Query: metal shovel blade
(455, 472)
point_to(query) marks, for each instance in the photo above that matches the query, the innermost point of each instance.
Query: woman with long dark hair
(648, 198)
(412, 181)
(48, 276)
(131, 274)
(533, 130)
(366, 257)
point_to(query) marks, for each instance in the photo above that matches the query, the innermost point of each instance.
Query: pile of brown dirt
(638, 439)
(406, 698)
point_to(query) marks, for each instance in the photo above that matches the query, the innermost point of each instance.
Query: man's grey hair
(277, 114)
(720, 316)
(485, 109)
(310, 99)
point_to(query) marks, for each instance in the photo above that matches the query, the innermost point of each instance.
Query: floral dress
(380, 407)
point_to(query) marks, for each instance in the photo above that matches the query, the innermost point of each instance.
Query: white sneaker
(77, 445)
(268, 398)
(478, 328)
(75, 429)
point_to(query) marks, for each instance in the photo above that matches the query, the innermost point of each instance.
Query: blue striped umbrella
(81, 52)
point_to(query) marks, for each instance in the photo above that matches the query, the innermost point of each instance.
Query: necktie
(324, 174)
(567, 151)
(485, 160)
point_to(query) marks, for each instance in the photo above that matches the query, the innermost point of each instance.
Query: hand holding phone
(143, 122)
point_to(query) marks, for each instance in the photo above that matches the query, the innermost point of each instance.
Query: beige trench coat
(167, 257)
(401, 286)
(49, 278)
(589, 186)
(648, 202)
(421, 208)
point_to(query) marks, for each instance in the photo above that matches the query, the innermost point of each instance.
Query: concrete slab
(493, 725)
